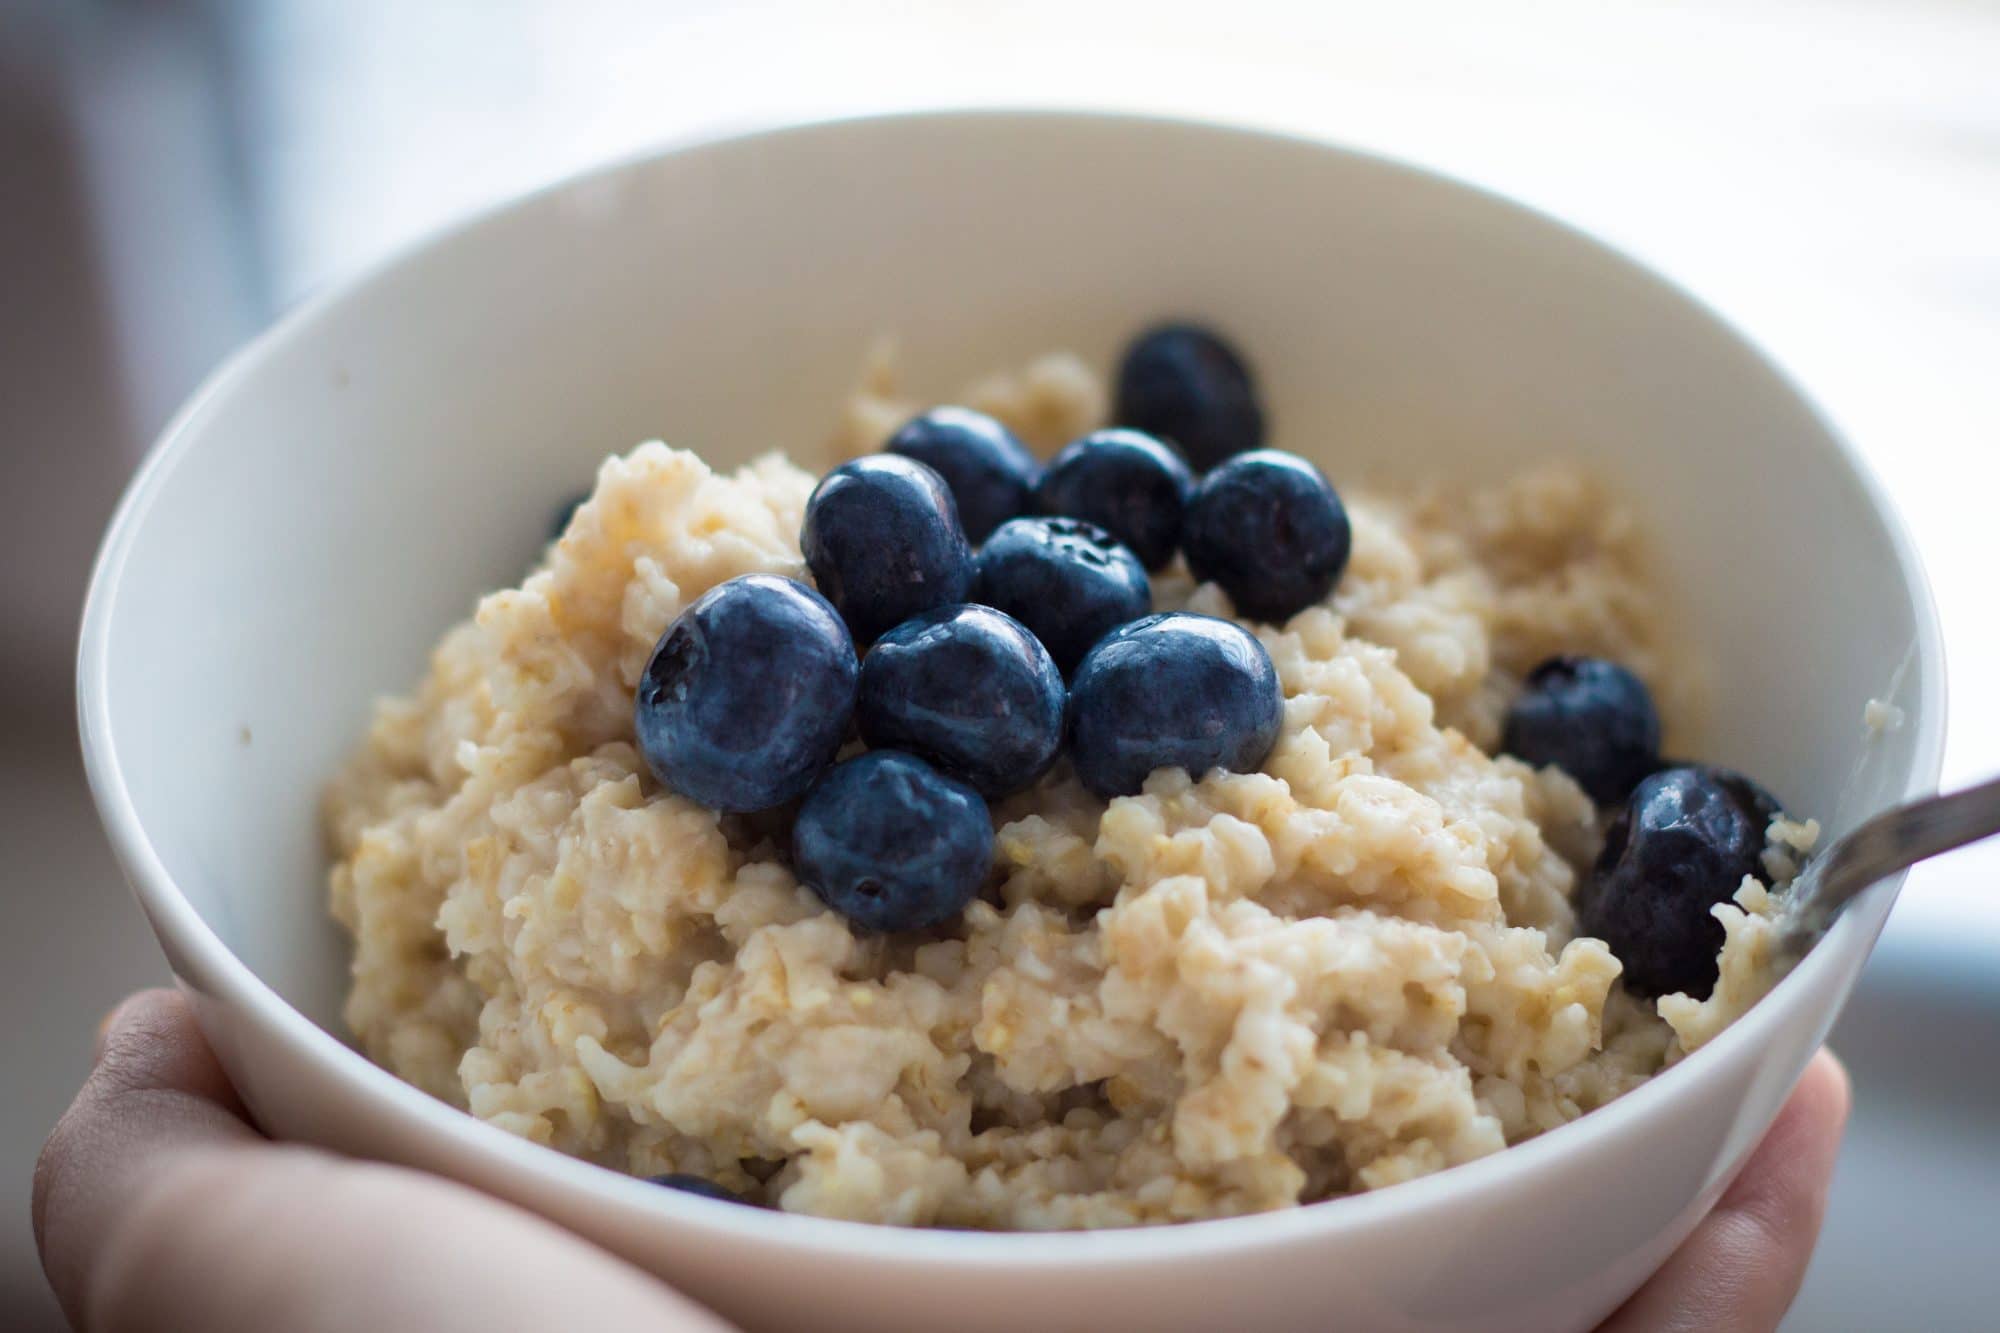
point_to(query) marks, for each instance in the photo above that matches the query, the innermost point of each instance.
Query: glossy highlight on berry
(1068, 581)
(1271, 531)
(1126, 482)
(968, 689)
(990, 472)
(747, 695)
(1591, 718)
(1172, 691)
(891, 843)
(883, 541)
(1684, 843)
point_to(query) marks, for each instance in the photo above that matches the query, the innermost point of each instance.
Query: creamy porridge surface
(1355, 967)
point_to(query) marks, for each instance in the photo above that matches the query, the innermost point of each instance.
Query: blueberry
(1271, 530)
(892, 844)
(1172, 691)
(691, 1184)
(1067, 580)
(1591, 718)
(1750, 797)
(567, 511)
(1680, 846)
(883, 541)
(968, 689)
(748, 694)
(990, 472)
(1125, 482)
(1184, 382)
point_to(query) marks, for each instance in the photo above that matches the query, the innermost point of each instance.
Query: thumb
(155, 1096)
(158, 1207)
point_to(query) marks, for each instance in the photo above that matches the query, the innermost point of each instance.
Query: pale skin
(158, 1206)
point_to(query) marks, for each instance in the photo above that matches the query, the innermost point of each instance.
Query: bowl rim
(192, 943)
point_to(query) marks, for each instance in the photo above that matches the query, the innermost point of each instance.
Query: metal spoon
(1894, 840)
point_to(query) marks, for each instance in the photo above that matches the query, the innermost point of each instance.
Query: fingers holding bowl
(158, 1206)
(1740, 1270)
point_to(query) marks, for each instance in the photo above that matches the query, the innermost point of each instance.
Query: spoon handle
(1894, 840)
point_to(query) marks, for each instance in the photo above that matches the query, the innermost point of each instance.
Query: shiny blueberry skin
(1271, 531)
(1172, 691)
(747, 695)
(892, 844)
(883, 541)
(990, 472)
(1186, 384)
(560, 524)
(692, 1184)
(1127, 483)
(1680, 846)
(1070, 582)
(969, 690)
(1591, 718)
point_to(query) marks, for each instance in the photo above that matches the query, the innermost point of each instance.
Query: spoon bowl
(1880, 848)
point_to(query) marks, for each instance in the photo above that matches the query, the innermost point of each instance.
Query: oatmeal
(1357, 965)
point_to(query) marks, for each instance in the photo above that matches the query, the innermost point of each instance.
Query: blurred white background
(1826, 173)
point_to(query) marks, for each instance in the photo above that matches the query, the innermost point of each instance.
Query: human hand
(157, 1206)
(1742, 1266)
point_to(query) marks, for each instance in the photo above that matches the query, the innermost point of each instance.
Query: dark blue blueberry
(883, 541)
(892, 844)
(990, 472)
(1750, 796)
(560, 524)
(1125, 482)
(1068, 581)
(1183, 382)
(1591, 718)
(1271, 531)
(690, 1184)
(968, 689)
(1680, 846)
(1172, 691)
(748, 694)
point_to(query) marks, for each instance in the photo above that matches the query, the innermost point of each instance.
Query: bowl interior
(345, 489)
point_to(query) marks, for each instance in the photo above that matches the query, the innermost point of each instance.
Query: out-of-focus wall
(64, 436)
(124, 277)
(71, 428)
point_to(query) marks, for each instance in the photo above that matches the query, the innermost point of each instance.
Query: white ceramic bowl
(340, 492)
